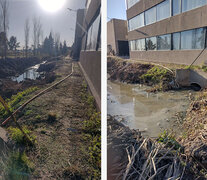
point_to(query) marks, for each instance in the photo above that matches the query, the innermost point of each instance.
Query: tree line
(50, 45)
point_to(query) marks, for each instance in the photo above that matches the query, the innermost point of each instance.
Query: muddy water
(31, 73)
(149, 112)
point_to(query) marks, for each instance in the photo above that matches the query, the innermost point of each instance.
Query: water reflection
(145, 111)
(31, 73)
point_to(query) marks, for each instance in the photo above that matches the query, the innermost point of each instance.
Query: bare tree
(35, 29)
(57, 43)
(37, 33)
(26, 35)
(4, 8)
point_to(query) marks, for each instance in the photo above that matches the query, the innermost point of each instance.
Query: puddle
(31, 73)
(150, 113)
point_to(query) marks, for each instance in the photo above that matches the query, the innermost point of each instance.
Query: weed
(169, 140)
(92, 132)
(154, 75)
(17, 166)
(38, 117)
(17, 135)
(16, 101)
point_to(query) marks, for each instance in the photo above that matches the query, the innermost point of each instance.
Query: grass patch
(17, 166)
(92, 133)
(17, 135)
(154, 75)
(15, 101)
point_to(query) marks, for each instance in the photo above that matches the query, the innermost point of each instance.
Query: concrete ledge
(185, 57)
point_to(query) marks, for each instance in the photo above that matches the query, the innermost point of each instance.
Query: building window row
(162, 11)
(93, 35)
(131, 3)
(185, 40)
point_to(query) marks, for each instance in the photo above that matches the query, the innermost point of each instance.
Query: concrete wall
(116, 31)
(91, 66)
(187, 77)
(111, 35)
(78, 34)
(192, 19)
(178, 57)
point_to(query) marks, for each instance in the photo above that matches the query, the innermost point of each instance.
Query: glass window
(133, 23)
(176, 7)
(130, 3)
(163, 10)
(140, 44)
(141, 20)
(150, 16)
(164, 42)
(191, 4)
(151, 43)
(95, 30)
(187, 39)
(176, 41)
(199, 41)
(88, 46)
(193, 39)
(92, 38)
(132, 45)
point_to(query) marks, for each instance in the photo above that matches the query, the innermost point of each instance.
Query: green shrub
(169, 140)
(17, 166)
(17, 135)
(154, 75)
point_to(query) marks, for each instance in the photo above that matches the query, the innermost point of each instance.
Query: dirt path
(56, 118)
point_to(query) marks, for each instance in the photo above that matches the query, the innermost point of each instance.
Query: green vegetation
(154, 75)
(17, 166)
(169, 140)
(92, 133)
(16, 101)
(17, 135)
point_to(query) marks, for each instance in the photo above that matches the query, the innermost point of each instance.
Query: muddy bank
(9, 86)
(131, 157)
(12, 67)
(137, 73)
(194, 138)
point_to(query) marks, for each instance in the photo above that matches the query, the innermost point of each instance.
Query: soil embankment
(194, 138)
(139, 73)
(14, 67)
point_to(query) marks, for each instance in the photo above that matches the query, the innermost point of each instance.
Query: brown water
(149, 112)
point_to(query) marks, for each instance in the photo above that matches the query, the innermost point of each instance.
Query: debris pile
(131, 156)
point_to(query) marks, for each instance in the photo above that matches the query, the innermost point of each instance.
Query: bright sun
(51, 5)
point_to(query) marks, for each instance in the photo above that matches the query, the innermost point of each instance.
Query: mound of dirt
(124, 71)
(195, 127)
(12, 67)
(46, 67)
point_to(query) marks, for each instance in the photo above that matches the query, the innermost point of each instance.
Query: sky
(116, 9)
(62, 21)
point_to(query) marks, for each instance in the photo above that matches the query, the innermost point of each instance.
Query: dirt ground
(56, 119)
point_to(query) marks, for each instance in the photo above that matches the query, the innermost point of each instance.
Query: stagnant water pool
(151, 113)
(31, 73)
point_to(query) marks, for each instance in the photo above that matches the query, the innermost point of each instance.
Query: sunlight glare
(51, 5)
